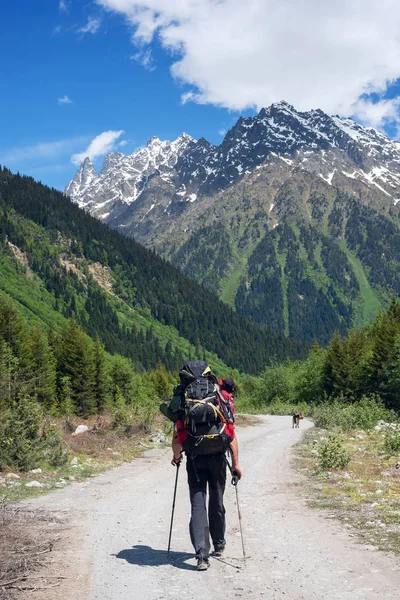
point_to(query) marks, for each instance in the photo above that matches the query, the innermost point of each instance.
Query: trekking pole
(235, 481)
(173, 505)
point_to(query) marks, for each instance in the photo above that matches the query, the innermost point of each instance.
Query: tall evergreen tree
(100, 376)
(76, 361)
(42, 367)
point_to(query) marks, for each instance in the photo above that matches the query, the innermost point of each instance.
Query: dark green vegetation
(61, 375)
(353, 382)
(306, 261)
(135, 302)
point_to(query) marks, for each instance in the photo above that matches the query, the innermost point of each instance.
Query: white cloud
(222, 132)
(63, 6)
(379, 113)
(64, 100)
(91, 26)
(249, 54)
(122, 143)
(47, 150)
(144, 58)
(100, 145)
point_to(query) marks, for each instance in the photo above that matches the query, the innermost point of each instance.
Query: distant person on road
(205, 431)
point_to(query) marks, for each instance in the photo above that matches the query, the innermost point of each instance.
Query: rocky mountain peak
(84, 176)
(333, 148)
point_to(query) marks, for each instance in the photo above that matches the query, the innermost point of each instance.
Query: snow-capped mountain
(340, 151)
(123, 178)
(293, 219)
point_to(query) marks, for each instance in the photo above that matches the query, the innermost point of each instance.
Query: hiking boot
(202, 563)
(219, 550)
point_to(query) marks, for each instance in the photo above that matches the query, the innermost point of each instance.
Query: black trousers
(203, 470)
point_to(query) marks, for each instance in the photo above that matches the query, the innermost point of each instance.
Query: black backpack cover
(198, 403)
(204, 414)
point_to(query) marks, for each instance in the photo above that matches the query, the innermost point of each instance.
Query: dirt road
(117, 547)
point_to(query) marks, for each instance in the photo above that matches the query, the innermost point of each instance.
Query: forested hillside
(293, 220)
(363, 366)
(135, 302)
(307, 262)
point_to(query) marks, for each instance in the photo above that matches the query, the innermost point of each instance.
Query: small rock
(116, 453)
(71, 478)
(12, 476)
(81, 429)
(59, 484)
(397, 465)
(35, 471)
(32, 484)
(74, 461)
(47, 486)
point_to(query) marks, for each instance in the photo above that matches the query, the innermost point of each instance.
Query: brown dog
(296, 420)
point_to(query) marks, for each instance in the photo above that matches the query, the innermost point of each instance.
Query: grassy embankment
(351, 464)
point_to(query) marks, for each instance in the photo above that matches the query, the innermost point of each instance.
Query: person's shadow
(145, 556)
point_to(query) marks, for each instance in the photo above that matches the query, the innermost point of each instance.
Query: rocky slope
(293, 218)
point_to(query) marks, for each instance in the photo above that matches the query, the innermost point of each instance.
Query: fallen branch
(12, 581)
(27, 577)
(24, 553)
(33, 589)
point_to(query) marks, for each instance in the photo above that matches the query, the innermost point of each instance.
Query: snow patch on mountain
(122, 178)
(185, 170)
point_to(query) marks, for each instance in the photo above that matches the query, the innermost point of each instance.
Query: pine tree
(100, 376)
(66, 407)
(42, 367)
(76, 361)
(386, 333)
(14, 332)
(9, 367)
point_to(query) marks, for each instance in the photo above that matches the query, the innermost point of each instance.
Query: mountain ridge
(202, 167)
(288, 187)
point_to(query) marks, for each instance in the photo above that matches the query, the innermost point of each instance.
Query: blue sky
(74, 69)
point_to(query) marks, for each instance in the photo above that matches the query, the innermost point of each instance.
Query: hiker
(205, 431)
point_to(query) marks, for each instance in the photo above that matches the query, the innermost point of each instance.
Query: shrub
(277, 384)
(331, 454)
(121, 416)
(391, 442)
(363, 414)
(51, 445)
(24, 441)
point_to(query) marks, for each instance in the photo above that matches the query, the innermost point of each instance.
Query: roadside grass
(365, 496)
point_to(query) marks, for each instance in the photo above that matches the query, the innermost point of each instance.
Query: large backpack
(205, 412)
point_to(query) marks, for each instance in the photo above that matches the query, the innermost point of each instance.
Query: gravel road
(116, 549)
